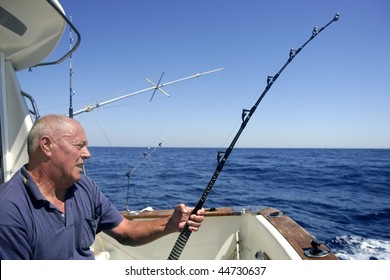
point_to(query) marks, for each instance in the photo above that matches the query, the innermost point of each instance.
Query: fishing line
(145, 156)
(223, 156)
(109, 143)
(175, 126)
(239, 120)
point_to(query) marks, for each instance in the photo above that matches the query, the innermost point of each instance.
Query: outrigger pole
(246, 115)
(138, 164)
(155, 87)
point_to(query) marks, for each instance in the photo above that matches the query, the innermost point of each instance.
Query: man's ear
(45, 144)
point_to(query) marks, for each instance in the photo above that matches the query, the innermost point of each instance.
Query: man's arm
(135, 233)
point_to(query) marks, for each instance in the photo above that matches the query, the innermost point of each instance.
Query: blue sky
(335, 94)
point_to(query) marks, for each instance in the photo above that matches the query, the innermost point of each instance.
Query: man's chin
(76, 178)
(77, 175)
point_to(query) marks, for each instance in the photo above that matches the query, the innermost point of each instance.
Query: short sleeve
(110, 217)
(14, 243)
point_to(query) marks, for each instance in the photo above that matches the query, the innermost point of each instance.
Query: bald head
(53, 126)
(57, 150)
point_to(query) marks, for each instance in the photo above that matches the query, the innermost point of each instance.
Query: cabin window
(10, 22)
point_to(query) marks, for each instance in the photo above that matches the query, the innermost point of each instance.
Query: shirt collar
(31, 187)
(34, 191)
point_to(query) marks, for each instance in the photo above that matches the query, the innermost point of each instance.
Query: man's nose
(86, 154)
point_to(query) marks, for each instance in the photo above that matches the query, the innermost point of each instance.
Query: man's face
(69, 153)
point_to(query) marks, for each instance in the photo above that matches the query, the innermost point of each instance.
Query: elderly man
(50, 210)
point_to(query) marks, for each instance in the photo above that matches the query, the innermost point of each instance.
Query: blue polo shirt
(33, 228)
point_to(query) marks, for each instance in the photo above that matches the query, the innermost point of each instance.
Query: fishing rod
(223, 156)
(145, 156)
(155, 87)
(71, 91)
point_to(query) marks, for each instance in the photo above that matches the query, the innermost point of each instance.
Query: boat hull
(224, 235)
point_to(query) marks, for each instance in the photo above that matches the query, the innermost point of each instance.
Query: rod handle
(181, 242)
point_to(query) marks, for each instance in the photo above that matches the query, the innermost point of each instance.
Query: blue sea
(341, 196)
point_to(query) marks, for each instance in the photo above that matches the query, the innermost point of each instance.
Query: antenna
(155, 87)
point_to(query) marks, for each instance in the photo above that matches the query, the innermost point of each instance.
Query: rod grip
(180, 243)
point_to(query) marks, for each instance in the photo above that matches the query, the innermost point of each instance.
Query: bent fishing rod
(223, 156)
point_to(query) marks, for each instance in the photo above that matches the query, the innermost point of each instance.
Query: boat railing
(72, 27)
(34, 108)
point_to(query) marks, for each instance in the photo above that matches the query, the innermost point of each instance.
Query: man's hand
(181, 216)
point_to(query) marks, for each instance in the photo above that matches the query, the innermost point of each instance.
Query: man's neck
(49, 189)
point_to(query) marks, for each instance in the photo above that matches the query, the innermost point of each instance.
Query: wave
(376, 215)
(359, 248)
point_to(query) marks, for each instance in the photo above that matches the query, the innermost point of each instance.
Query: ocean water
(341, 196)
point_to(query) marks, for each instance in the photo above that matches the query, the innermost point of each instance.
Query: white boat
(241, 234)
